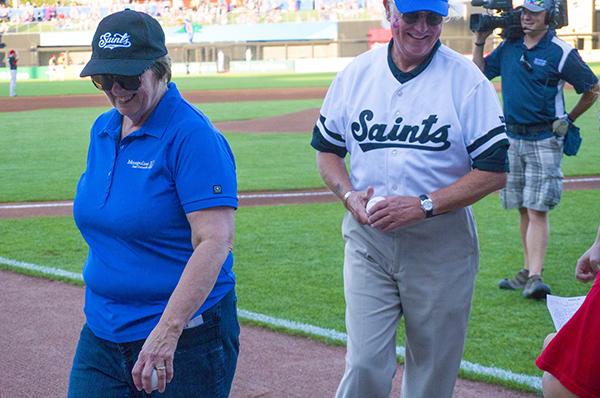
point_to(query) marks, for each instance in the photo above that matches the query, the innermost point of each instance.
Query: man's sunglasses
(105, 82)
(432, 18)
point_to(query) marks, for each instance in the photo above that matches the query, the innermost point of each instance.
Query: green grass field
(53, 152)
(43, 154)
(201, 82)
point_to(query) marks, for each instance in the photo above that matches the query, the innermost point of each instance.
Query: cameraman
(534, 69)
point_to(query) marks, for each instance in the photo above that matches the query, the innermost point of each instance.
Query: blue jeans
(204, 361)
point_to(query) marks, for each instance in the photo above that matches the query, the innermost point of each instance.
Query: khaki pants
(424, 272)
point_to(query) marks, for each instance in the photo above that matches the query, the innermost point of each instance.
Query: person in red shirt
(570, 356)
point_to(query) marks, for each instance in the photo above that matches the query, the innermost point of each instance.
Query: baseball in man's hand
(372, 202)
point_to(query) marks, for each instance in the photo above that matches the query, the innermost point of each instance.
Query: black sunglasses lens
(411, 17)
(431, 18)
(105, 82)
(102, 82)
(130, 83)
(434, 19)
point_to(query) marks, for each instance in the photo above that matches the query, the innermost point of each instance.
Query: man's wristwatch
(426, 205)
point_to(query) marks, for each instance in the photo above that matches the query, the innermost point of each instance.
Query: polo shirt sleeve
(483, 129)
(492, 63)
(329, 131)
(204, 170)
(578, 73)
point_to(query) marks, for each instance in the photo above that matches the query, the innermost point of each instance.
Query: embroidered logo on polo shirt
(539, 62)
(112, 41)
(140, 164)
(217, 189)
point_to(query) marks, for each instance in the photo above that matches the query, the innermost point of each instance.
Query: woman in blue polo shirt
(156, 207)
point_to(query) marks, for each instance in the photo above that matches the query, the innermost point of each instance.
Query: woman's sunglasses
(431, 18)
(105, 82)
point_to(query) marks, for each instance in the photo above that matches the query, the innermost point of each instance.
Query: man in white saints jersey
(424, 130)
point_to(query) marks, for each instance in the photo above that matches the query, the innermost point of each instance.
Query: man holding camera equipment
(534, 68)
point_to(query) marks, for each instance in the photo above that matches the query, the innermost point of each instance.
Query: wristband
(479, 44)
(347, 195)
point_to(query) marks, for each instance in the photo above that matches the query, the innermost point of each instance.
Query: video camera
(510, 18)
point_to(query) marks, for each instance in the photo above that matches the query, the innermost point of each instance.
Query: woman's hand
(157, 353)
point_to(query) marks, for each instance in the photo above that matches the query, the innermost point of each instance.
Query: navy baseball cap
(125, 43)
(537, 5)
(437, 6)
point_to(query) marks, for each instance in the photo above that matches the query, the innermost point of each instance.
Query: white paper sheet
(562, 308)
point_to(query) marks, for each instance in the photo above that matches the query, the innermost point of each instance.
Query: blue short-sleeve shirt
(131, 206)
(533, 79)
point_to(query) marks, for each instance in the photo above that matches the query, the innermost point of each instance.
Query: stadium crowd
(202, 12)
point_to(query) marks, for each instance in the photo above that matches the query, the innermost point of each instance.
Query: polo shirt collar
(156, 124)
(544, 41)
(403, 77)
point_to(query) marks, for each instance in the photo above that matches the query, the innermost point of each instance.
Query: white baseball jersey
(414, 137)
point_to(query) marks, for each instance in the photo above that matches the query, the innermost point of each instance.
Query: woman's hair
(162, 68)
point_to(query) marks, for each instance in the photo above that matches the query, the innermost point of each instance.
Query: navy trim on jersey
(494, 158)
(329, 132)
(482, 140)
(322, 145)
(403, 77)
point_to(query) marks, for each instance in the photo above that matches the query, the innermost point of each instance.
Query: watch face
(427, 204)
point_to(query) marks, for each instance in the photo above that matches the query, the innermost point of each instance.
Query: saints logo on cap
(110, 40)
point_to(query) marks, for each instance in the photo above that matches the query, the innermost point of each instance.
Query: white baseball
(154, 380)
(372, 201)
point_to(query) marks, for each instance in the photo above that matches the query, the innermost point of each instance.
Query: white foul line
(284, 195)
(500, 374)
(581, 179)
(37, 205)
(42, 269)
(255, 196)
(242, 196)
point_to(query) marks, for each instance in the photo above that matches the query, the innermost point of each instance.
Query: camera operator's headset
(551, 14)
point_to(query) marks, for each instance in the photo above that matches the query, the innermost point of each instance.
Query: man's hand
(561, 125)
(588, 264)
(356, 203)
(395, 212)
(480, 37)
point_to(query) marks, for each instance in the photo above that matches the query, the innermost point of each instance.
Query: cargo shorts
(535, 177)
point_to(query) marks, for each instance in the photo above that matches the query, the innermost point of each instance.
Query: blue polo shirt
(131, 205)
(533, 79)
